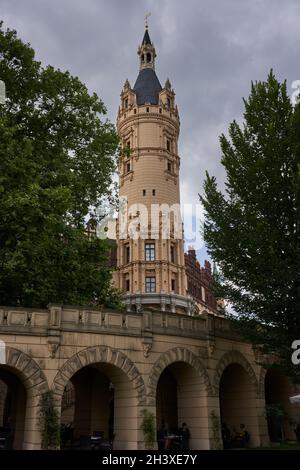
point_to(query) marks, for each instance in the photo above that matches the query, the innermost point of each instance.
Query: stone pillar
(32, 435)
(192, 407)
(125, 412)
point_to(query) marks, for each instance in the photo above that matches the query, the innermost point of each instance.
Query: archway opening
(237, 395)
(13, 399)
(181, 397)
(99, 409)
(282, 416)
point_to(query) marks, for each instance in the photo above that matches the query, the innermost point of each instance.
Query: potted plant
(148, 428)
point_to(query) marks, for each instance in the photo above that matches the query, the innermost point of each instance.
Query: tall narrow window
(168, 145)
(172, 249)
(144, 192)
(127, 253)
(168, 103)
(153, 192)
(173, 285)
(169, 166)
(149, 251)
(150, 284)
(127, 285)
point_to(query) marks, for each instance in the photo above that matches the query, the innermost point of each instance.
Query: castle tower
(150, 267)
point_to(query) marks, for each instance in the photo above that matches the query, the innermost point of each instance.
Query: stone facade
(199, 284)
(106, 367)
(45, 349)
(148, 125)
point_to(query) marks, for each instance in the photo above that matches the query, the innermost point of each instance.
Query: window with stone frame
(149, 251)
(150, 283)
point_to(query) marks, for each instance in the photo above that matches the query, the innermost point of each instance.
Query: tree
(252, 231)
(57, 159)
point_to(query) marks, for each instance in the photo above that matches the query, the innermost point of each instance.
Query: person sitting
(185, 435)
(242, 437)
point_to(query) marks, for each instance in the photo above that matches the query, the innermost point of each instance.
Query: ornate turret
(151, 268)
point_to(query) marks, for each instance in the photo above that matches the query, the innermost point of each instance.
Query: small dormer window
(168, 103)
(148, 57)
(143, 57)
(126, 103)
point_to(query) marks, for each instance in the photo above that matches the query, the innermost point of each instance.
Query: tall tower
(150, 267)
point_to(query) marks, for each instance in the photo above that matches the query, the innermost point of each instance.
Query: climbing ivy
(49, 422)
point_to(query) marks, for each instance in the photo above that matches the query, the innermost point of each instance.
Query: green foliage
(57, 159)
(276, 410)
(148, 428)
(252, 231)
(279, 415)
(216, 431)
(49, 422)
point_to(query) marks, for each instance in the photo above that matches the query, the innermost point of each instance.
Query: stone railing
(57, 318)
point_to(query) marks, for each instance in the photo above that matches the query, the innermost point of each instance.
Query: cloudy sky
(210, 50)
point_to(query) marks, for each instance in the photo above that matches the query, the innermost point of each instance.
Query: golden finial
(146, 19)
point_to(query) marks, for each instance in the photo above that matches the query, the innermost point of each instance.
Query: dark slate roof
(147, 87)
(146, 38)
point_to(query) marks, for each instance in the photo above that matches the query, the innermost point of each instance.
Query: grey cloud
(210, 50)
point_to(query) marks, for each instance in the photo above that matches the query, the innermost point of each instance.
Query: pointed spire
(146, 50)
(168, 84)
(126, 84)
(146, 38)
(147, 86)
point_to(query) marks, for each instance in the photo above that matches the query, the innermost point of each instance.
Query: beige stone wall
(154, 166)
(132, 351)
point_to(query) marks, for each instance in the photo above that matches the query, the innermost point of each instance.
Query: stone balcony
(51, 321)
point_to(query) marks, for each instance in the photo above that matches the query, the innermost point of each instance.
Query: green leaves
(49, 422)
(252, 231)
(57, 159)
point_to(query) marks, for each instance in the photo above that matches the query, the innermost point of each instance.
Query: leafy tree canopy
(57, 159)
(252, 231)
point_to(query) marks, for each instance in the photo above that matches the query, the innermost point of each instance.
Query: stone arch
(170, 357)
(233, 357)
(26, 403)
(27, 369)
(93, 355)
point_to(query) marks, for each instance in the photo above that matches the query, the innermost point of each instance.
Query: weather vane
(146, 20)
